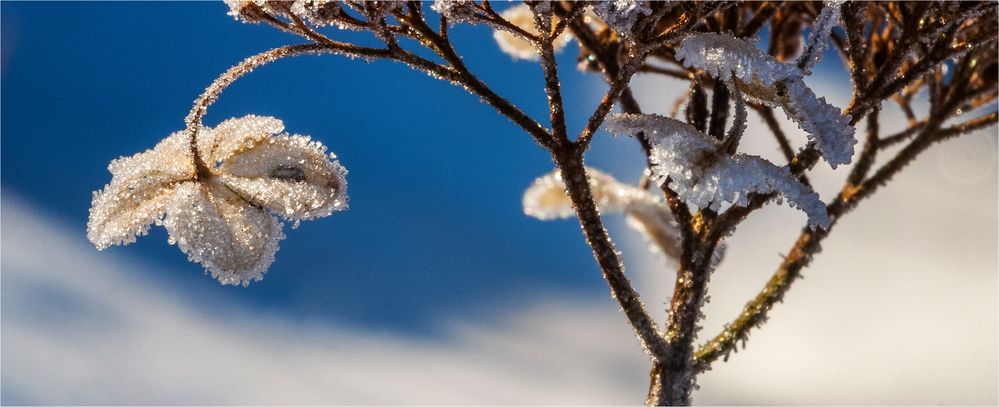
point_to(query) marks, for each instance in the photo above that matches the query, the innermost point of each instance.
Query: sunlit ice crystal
(705, 176)
(817, 40)
(762, 78)
(621, 15)
(547, 199)
(456, 11)
(225, 216)
(520, 47)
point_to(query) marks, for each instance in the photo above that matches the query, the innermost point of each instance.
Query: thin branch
(201, 104)
(577, 185)
(549, 66)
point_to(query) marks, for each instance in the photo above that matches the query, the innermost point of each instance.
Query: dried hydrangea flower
(520, 47)
(224, 214)
(704, 175)
(546, 199)
(764, 79)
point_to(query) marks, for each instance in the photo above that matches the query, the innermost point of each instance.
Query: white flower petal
(723, 55)
(290, 175)
(136, 196)
(765, 80)
(656, 224)
(235, 135)
(824, 123)
(703, 175)
(517, 46)
(546, 199)
(233, 240)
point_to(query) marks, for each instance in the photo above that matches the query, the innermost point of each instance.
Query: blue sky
(434, 279)
(435, 223)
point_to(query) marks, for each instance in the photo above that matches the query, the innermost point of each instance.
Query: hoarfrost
(764, 79)
(223, 218)
(702, 174)
(824, 123)
(722, 56)
(819, 38)
(621, 15)
(456, 11)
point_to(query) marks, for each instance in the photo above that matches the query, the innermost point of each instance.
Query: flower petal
(705, 176)
(235, 135)
(290, 175)
(235, 241)
(546, 198)
(137, 194)
(520, 47)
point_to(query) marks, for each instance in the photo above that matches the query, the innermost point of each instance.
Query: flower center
(288, 172)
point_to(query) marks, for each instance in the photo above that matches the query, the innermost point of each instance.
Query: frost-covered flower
(517, 46)
(546, 199)
(224, 216)
(704, 175)
(764, 79)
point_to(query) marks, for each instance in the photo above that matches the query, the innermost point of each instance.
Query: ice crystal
(824, 123)
(723, 56)
(518, 46)
(621, 15)
(546, 199)
(703, 175)
(763, 78)
(224, 217)
(818, 39)
(456, 11)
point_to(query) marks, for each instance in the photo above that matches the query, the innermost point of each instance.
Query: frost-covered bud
(520, 47)
(250, 11)
(621, 15)
(319, 13)
(456, 11)
(222, 216)
(546, 199)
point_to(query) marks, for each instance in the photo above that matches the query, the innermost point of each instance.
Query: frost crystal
(825, 125)
(546, 199)
(766, 80)
(705, 176)
(520, 47)
(816, 44)
(621, 15)
(456, 11)
(722, 56)
(223, 218)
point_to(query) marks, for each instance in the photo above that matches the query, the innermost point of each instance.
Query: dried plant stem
(211, 94)
(577, 185)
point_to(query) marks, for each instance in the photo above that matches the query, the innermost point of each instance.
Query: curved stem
(211, 94)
